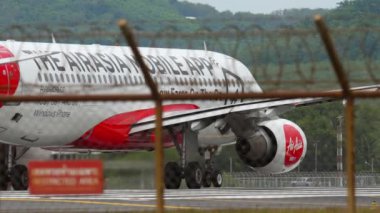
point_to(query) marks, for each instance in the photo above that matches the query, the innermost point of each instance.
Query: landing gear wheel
(206, 179)
(3, 167)
(193, 175)
(217, 178)
(173, 175)
(19, 177)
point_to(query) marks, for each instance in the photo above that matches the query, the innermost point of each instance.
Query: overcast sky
(266, 6)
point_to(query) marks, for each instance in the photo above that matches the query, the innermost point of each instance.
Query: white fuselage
(96, 69)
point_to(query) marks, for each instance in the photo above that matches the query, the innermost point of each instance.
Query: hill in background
(147, 14)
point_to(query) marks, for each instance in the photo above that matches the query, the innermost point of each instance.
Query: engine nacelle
(277, 146)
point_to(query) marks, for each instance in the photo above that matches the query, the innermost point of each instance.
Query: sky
(266, 6)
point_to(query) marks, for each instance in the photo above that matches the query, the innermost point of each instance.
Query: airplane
(196, 129)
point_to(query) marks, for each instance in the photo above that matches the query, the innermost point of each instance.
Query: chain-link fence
(217, 123)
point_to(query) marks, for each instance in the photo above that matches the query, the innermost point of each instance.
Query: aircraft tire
(193, 175)
(206, 179)
(217, 178)
(173, 175)
(3, 167)
(19, 177)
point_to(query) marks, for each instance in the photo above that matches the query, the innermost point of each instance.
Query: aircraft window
(46, 77)
(84, 79)
(115, 80)
(67, 78)
(62, 77)
(186, 82)
(89, 79)
(130, 80)
(195, 82)
(135, 78)
(141, 80)
(176, 81)
(200, 82)
(100, 79)
(56, 77)
(205, 82)
(110, 79)
(233, 83)
(51, 77)
(73, 78)
(39, 77)
(180, 81)
(94, 78)
(169, 81)
(215, 82)
(209, 82)
(105, 79)
(224, 82)
(125, 80)
(78, 78)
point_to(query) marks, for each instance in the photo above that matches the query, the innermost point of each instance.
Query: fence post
(159, 150)
(349, 111)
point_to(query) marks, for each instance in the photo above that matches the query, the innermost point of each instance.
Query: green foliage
(272, 52)
(194, 10)
(72, 12)
(319, 123)
(367, 135)
(358, 13)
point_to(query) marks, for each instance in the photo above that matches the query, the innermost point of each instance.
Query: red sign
(294, 145)
(66, 177)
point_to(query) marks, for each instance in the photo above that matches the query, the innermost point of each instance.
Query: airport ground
(290, 198)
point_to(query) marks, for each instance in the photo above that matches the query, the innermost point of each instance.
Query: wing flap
(256, 105)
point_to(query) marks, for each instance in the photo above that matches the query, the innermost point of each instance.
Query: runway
(223, 198)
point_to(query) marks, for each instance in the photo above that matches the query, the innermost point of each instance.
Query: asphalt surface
(212, 198)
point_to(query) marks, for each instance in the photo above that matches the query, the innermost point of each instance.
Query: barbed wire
(278, 58)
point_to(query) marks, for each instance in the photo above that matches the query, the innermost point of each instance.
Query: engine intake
(259, 149)
(276, 146)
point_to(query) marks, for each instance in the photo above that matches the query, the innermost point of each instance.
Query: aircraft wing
(29, 57)
(269, 107)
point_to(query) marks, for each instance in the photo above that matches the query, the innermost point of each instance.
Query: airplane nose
(9, 73)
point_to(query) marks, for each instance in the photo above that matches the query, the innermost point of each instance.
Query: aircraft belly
(211, 136)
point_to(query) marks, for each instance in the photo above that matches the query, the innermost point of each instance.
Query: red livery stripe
(113, 133)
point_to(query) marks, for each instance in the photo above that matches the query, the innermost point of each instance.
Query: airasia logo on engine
(294, 145)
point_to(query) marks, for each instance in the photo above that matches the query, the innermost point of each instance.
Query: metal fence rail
(350, 181)
(330, 179)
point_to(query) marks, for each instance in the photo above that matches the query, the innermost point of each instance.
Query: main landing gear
(15, 174)
(196, 165)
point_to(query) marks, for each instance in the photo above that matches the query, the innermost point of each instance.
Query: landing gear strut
(196, 164)
(211, 174)
(4, 179)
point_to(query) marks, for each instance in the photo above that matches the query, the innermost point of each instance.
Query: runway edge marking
(94, 202)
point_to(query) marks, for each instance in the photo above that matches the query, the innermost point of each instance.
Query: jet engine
(276, 146)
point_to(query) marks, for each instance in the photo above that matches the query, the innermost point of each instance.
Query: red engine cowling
(277, 146)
